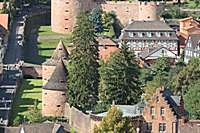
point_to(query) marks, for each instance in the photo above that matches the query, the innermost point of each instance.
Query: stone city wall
(32, 71)
(83, 123)
(63, 13)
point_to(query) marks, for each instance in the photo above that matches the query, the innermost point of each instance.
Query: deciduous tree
(115, 123)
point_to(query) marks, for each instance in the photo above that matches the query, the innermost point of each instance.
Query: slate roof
(128, 110)
(148, 26)
(58, 79)
(174, 101)
(59, 53)
(37, 128)
(149, 51)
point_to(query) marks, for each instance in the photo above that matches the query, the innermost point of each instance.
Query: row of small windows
(153, 111)
(152, 44)
(162, 127)
(149, 34)
(191, 53)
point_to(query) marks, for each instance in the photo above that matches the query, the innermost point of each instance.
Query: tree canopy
(115, 123)
(119, 78)
(83, 78)
(192, 100)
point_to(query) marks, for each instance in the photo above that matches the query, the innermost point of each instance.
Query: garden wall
(34, 71)
(81, 122)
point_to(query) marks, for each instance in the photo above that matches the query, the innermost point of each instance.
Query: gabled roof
(58, 79)
(149, 51)
(148, 26)
(127, 110)
(59, 53)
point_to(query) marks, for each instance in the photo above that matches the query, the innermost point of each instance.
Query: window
(158, 34)
(140, 34)
(152, 111)
(149, 34)
(162, 127)
(162, 111)
(58, 105)
(130, 34)
(167, 34)
(149, 126)
(62, 81)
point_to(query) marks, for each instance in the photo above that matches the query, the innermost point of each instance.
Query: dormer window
(130, 34)
(167, 34)
(158, 34)
(140, 34)
(149, 34)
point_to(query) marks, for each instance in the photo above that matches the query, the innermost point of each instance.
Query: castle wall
(53, 102)
(33, 71)
(123, 9)
(64, 12)
(77, 119)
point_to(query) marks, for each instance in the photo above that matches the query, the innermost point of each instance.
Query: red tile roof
(4, 20)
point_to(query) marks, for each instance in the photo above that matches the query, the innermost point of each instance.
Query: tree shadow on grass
(26, 103)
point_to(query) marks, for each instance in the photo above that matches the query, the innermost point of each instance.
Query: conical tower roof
(58, 79)
(60, 52)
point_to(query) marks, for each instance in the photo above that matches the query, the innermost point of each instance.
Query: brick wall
(53, 102)
(169, 117)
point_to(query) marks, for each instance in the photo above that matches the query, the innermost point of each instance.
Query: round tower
(148, 11)
(54, 92)
(64, 12)
(49, 66)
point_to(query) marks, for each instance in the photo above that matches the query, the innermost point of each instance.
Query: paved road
(13, 53)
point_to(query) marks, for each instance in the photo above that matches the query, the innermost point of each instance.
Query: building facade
(187, 26)
(192, 48)
(162, 113)
(146, 35)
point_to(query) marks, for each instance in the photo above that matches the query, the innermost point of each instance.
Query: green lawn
(30, 90)
(47, 43)
(46, 30)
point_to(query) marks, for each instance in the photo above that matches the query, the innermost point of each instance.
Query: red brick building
(163, 113)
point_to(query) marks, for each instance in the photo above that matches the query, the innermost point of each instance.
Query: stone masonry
(64, 12)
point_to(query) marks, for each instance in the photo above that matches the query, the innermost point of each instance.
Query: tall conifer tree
(119, 78)
(83, 76)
